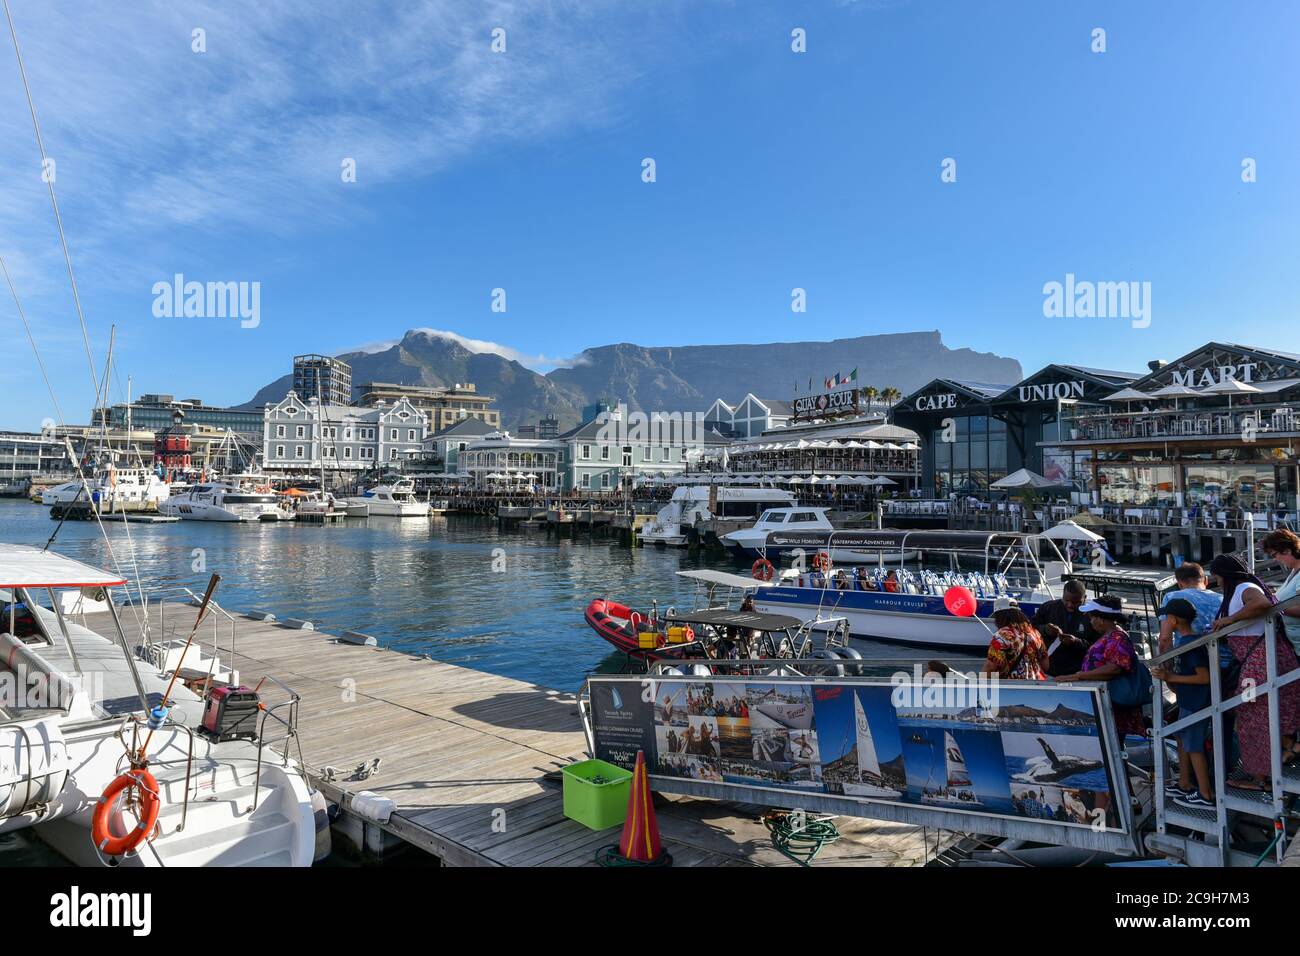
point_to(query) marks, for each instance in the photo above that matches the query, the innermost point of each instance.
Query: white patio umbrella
(1069, 531)
(794, 480)
(1024, 478)
(1175, 392)
(1231, 387)
(883, 482)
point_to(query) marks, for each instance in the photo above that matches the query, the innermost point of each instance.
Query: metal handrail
(291, 733)
(158, 594)
(136, 722)
(1218, 706)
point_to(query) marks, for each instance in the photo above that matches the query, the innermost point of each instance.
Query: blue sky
(522, 170)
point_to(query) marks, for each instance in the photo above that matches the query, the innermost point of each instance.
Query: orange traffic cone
(640, 844)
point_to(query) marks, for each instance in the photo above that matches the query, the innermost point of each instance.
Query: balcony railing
(1249, 423)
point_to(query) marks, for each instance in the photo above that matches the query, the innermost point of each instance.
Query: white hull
(395, 509)
(867, 790)
(668, 537)
(967, 633)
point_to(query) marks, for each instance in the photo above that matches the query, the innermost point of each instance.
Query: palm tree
(891, 395)
(871, 393)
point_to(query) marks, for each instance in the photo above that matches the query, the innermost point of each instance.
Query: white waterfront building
(604, 454)
(300, 436)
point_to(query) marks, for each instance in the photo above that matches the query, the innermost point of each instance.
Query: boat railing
(1283, 781)
(284, 713)
(219, 616)
(137, 721)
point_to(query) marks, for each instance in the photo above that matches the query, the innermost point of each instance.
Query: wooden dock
(471, 759)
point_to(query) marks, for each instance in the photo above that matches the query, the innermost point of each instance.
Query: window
(627, 456)
(302, 430)
(683, 453)
(392, 434)
(279, 451)
(279, 431)
(392, 454)
(665, 453)
(410, 434)
(604, 453)
(584, 452)
(297, 451)
(586, 481)
(347, 451)
(604, 479)
(329, 452)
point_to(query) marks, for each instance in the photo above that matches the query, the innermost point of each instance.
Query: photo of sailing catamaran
(870, 781)
(957, 786)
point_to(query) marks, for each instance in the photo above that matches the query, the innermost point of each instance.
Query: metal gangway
(1208, 839)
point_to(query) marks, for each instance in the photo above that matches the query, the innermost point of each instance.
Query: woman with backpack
(1247, 598)
(1113, 658)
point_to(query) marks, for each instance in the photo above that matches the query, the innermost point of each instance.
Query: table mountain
(674, 379)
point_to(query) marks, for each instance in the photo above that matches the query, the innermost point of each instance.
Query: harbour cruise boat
(764, 538)
(395, 500)
(76, 740)
(689, 505)
(225, 501)
(112, 487)
(908, 605)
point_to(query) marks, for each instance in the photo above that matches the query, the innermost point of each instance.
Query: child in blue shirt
(1190, 679)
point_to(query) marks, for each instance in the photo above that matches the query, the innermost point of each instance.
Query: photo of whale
(1073, 760)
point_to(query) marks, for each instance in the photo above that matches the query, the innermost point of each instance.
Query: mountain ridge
(685, 378)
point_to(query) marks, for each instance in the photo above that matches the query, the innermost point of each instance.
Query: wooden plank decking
(470, 758)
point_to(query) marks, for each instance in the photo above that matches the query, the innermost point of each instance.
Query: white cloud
(538, 363)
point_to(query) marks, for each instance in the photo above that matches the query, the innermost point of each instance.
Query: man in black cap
(1065, 630)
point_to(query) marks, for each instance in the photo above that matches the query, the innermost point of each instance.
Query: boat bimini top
(22, 566)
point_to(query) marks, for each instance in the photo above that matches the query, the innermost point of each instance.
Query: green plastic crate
(596, 806)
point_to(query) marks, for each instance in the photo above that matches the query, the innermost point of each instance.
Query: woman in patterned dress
(1017, 651)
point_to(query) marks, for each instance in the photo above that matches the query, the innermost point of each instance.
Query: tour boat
(907, 606)
(111, 488)
(84, 700)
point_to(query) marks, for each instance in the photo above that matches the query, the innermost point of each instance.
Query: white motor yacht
(759, 541)
(78, 718)
(396, 500)
(689, 505)
(223, 501)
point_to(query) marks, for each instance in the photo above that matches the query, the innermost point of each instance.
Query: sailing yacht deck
(460, 746)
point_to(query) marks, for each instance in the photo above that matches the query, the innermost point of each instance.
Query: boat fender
(321, 817)
(138, 779)
(371, 806)
(700, 670)
(825, 655)
(848, 654)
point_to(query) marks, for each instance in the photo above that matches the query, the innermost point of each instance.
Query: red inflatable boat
(622, 627)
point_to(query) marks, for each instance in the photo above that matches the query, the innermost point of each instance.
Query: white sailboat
(870, 782)
(957, 787)
(86, 702)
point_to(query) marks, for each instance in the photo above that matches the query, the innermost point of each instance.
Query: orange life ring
(150, 804)
(763, 570)
(822, 561)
